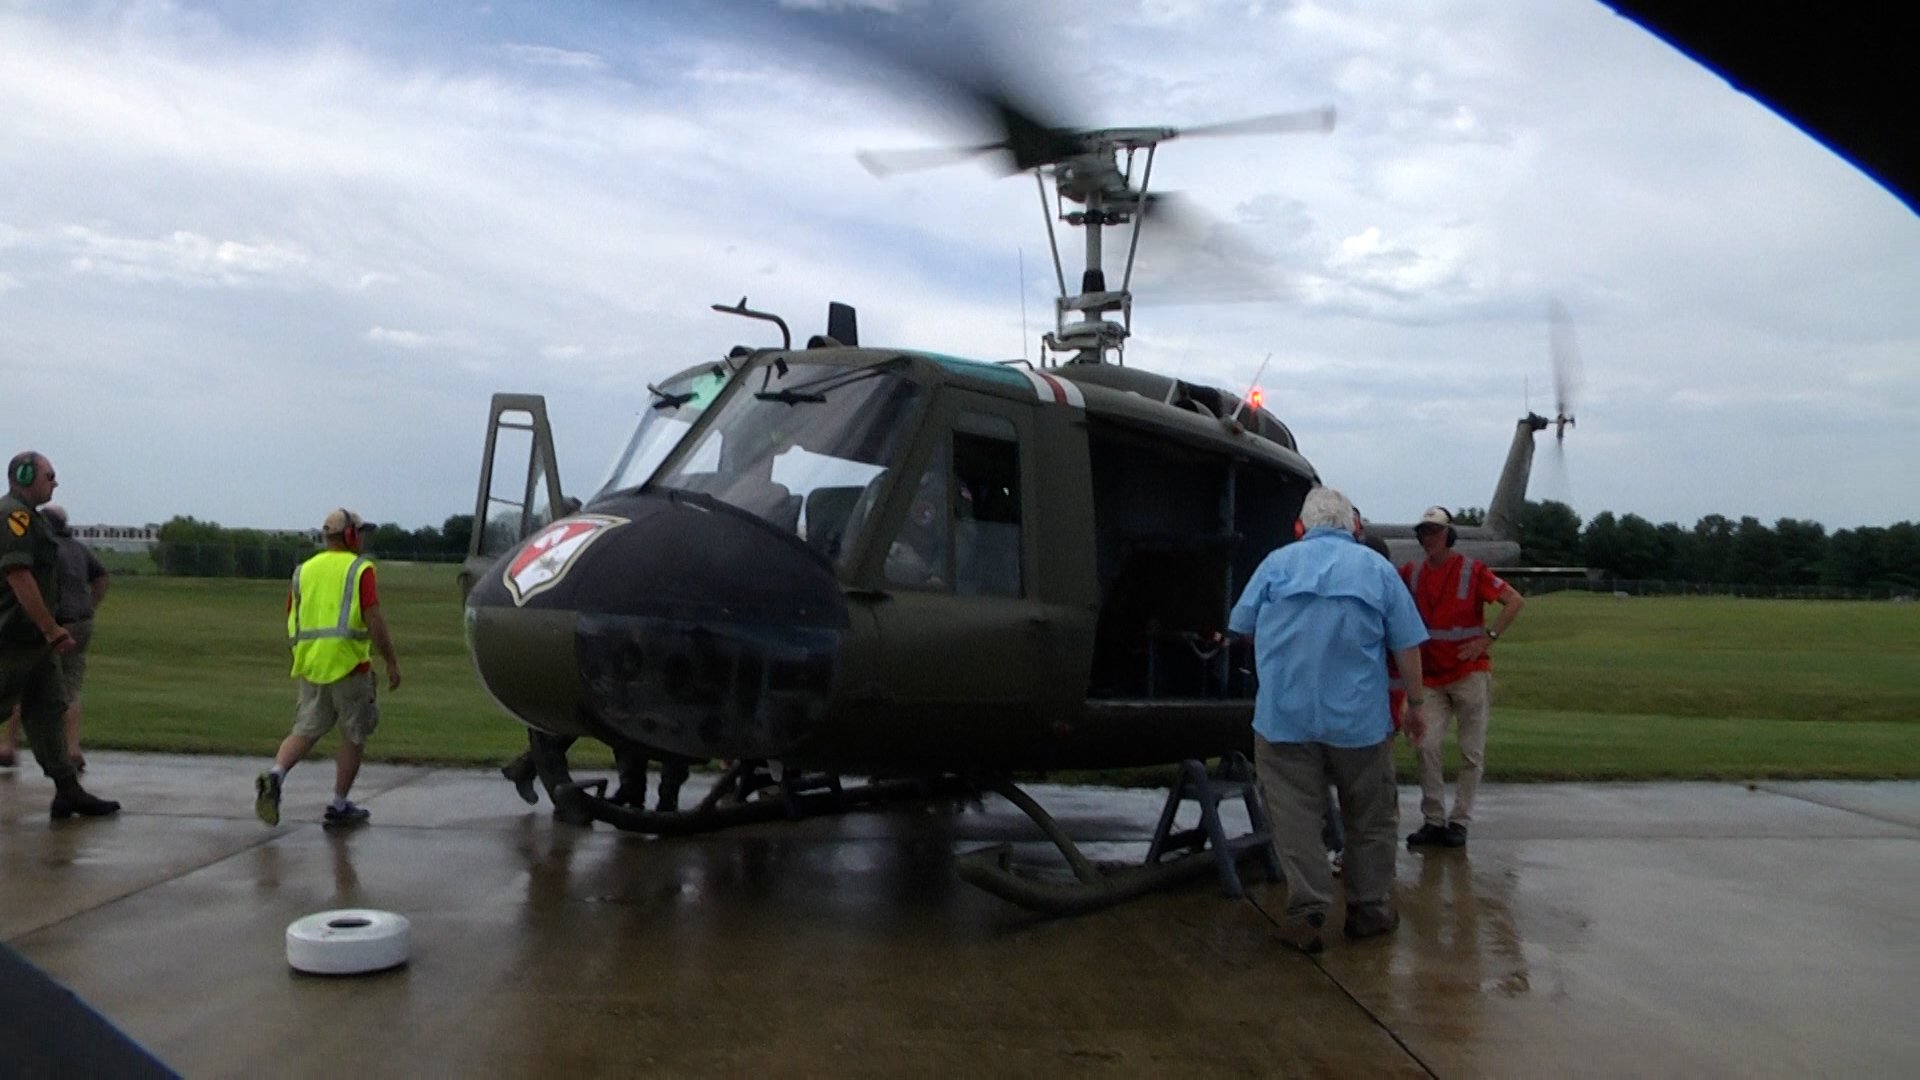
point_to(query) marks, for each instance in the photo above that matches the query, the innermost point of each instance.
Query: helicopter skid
(810, 796)
(993, 869)
(1101, 885)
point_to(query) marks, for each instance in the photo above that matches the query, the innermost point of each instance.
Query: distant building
(134, 538)
(142, 538)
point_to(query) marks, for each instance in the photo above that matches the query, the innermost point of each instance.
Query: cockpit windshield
(676, 404)
(804, 446)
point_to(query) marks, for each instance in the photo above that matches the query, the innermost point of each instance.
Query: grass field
(1587, 686)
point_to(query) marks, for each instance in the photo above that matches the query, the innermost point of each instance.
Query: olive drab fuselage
(876, 560)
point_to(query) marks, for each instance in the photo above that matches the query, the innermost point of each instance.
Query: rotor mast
(1100, 193)
(1092, 175)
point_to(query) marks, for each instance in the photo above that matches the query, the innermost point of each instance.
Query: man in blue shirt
(1324, 612)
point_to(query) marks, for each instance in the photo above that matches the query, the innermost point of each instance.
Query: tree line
(1719, 550)
(189, 547)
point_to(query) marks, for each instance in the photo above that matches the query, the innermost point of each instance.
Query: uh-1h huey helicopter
(1496, 541)
(892, 562)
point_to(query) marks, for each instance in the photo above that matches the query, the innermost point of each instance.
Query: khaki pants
(1467, 700)
(30, 678)
(1293, 780)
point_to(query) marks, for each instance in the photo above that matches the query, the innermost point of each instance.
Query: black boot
(69, 798)
(673, 773)
(522, 772)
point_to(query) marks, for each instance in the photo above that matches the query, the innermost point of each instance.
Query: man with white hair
(1324, 613)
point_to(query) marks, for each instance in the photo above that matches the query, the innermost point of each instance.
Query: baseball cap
(338, 520)
(1435, 515)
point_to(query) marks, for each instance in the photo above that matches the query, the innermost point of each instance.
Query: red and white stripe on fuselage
(1055, 389)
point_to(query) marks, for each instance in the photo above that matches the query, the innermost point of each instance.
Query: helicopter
(897, 562)
(1496, 542)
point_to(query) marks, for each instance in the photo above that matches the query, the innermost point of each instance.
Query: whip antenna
(1023, 302)
(1252, 389)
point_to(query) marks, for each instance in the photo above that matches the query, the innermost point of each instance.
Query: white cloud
(547, 56)
(226, 220)
(182, 257)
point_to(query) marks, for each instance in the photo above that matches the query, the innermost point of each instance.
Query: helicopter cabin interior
(1179, 531)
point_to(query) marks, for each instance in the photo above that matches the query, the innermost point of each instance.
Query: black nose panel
(698, 629)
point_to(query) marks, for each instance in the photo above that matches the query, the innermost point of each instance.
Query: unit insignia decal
(547, 557)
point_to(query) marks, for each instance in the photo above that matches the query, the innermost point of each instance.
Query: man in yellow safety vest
(333, 624)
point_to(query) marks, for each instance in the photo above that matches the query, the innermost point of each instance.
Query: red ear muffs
(1299, 528)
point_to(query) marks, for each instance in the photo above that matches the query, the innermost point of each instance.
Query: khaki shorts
(348, 702)
(73, 665)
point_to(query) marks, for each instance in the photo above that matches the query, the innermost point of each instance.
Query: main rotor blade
(1187, 256)
(955, 59)
(1567, 375)
(1320, 119)
(885, 163)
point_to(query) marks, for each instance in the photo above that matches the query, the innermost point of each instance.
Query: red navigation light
(1256, 397)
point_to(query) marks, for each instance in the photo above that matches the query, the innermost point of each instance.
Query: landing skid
(746, 793)
(1173, 857)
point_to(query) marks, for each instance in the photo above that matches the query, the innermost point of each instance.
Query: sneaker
(266, 797)
(344, 816)
(1364, 923)
(1455, 836)
(1430, 835)
(1336, 861)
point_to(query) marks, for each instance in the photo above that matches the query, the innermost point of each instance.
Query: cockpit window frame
(618, 478)
(777, 367)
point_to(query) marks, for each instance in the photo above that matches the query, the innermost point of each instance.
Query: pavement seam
(416, 773)
(136, 891)
(1404, 1046)
(1831, 805)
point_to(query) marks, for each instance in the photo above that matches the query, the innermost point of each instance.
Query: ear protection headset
(1453, 535)
(24, 469)
(349, 533)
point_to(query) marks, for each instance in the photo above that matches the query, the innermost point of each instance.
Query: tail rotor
(1567, 375)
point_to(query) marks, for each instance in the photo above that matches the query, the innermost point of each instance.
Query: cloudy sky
(260, 259)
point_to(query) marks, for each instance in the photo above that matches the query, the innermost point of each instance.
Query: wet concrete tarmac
(1589, 929)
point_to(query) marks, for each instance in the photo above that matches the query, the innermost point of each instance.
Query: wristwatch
(1493, 635)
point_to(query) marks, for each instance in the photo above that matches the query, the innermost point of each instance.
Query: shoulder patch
(18, 521)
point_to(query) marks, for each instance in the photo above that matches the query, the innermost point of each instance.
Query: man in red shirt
(1451, 591)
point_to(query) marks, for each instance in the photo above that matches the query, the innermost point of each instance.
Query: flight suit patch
(18, 521)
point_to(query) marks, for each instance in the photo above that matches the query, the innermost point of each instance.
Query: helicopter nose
(672, 619)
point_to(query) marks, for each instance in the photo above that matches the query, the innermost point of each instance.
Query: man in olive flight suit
(30, 638)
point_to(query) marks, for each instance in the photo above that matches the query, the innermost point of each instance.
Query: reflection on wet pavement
(1598, 929)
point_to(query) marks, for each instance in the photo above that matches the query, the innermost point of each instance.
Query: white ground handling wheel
(352, 941)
